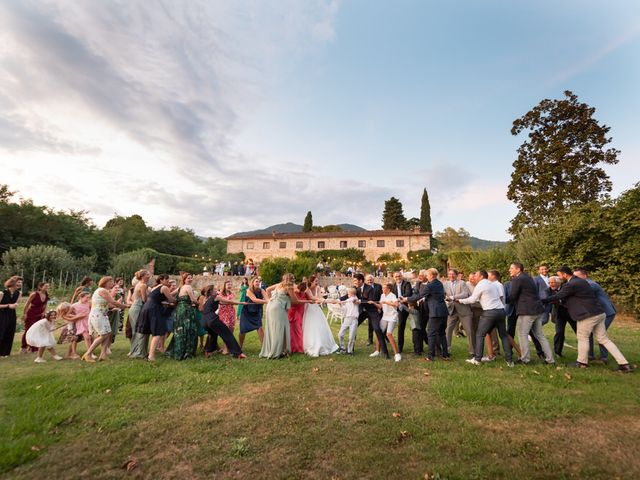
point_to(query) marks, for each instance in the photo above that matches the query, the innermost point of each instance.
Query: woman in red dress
(296, 312)
(34, 311)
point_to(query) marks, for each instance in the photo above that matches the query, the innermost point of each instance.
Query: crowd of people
(172, 318)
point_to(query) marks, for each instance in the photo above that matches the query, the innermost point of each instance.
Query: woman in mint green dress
(184, 342)
(277, 339)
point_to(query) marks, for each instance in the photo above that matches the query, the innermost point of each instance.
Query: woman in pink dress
(227, 312)
(296, 312)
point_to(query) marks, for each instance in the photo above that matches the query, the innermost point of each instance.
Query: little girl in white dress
(40, 335)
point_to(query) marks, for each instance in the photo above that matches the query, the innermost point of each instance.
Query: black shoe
(520, 362)
(541, 356)
(626, 368)
(577, 365)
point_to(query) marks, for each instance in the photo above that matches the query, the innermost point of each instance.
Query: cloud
(134, 106)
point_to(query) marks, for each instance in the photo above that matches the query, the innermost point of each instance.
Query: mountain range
(290, 227)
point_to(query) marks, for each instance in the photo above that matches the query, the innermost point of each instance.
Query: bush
(44, 261)
(272, 269)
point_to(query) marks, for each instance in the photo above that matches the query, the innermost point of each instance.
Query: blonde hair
(104, 280)
(63, 309)
(287, 280)
(433, 271)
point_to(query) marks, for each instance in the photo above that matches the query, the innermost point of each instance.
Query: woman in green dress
(243, 293)
(277, 340)
(139, 341)
(184, 342)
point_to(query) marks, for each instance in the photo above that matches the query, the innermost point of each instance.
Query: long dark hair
(160, 278)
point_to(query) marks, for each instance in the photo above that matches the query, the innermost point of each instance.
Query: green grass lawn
(337, 417)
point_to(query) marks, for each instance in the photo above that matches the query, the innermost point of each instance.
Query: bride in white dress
(317, 338)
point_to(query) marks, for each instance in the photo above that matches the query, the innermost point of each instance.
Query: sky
(226, 116)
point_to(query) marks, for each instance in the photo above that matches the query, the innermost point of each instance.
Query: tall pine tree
(393, 217)
(308, 223)
(425, 213)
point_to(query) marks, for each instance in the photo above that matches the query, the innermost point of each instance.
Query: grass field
(337, 417)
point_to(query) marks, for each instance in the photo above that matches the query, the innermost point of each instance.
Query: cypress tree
(425, 213)
(308, 223)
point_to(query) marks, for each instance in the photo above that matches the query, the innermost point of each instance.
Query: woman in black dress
(214, 326)
(9, 299)
(153, 317)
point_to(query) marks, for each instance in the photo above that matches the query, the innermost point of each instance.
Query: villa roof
(359, 234)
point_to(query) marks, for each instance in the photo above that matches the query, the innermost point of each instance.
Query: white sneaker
(473, 361)
(40, 360)
(57, 357)
(375, 354)
(488, 359)
(94, 357)
(397, 357)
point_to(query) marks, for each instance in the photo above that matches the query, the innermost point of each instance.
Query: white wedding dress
(317, 338)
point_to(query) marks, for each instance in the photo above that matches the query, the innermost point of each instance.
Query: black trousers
(216, 328)
(7, 332)
(558, 338)
(489, 320)
(374, 317)
(420, 334)
(402, 324)
(436, 332)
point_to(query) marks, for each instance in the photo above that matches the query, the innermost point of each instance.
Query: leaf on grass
(131, 464)
(315, 369)
(567, 376)
(37, 448)
(332, 359)
(550, 376)
(403, 435)
(38, 387)
(396, 414)
(427, 374)
(558, 368)
(536, 372)
(107, 391)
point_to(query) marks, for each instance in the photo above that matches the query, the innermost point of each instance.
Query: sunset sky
(223, 116)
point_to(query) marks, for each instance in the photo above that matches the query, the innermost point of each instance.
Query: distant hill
(479, 244)
(295, 228)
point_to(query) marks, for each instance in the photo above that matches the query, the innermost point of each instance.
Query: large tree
(560, 163)
(393, 217)
(425, 213)
(452, 240)
(308, 223)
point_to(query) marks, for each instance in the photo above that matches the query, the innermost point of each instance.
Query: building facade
(373, 243)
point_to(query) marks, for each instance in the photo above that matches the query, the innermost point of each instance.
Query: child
(389, 303)
(40, 335)
(69, 334)
(82, 308)
(349, 322)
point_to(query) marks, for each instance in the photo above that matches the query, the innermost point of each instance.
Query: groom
(366, 292)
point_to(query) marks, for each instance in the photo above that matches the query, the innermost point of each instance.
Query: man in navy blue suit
(607, 306)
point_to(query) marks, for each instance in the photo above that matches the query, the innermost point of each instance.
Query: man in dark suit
(583, 307)
(524, 295)
(401, 288)
(606, 304)
(433, 294)
(420, 335)
(559, 316)
(370, 292)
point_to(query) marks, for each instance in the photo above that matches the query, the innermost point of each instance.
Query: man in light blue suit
(607, 306)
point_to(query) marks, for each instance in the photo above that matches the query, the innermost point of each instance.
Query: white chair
(334, 312)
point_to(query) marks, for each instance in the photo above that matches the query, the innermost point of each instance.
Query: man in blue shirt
(607, 306)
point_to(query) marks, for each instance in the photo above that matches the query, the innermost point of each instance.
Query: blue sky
(227, 116)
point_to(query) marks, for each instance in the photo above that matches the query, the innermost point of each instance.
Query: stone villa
(374, 243)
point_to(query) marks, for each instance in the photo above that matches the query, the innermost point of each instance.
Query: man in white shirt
(493, 316)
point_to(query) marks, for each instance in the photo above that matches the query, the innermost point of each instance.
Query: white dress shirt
(487, 294)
